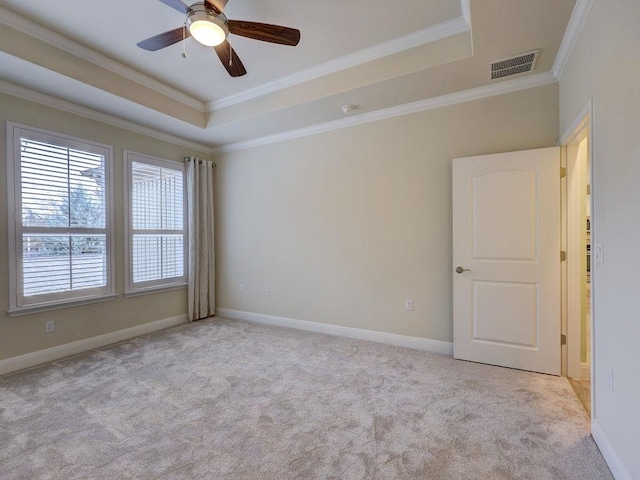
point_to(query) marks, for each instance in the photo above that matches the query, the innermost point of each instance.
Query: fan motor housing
(203, 20)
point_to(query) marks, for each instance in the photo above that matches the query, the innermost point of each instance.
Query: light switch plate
(598, 252)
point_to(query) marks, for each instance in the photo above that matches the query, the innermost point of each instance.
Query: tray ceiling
(357, 52)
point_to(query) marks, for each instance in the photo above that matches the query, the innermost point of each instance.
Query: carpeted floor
(221, 399)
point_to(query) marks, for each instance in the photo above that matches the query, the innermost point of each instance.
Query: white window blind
(157, 223)
(59, 237)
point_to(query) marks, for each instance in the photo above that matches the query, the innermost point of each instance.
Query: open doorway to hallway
(578, 269)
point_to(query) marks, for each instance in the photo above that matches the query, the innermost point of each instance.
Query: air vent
(525, 62)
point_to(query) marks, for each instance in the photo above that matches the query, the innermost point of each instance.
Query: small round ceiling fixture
(206, 26)
(347, 109)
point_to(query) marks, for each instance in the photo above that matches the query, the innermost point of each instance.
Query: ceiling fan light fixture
(207, 27)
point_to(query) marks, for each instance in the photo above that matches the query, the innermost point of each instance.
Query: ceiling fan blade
(164, 39)
(217, 5)
(265, 32)
(177, 4)
(230, 59)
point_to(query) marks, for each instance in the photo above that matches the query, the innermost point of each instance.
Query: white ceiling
(358, 52)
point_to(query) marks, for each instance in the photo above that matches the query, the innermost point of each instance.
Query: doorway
(578, 241)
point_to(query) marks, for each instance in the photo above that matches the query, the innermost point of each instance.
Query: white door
(506, 243)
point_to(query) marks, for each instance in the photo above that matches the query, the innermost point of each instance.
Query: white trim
(501, 88)
(50, 354)
(465, 6)
(616, 466)
(585, 371)
(63, 105)
(422, 37)
(152, 290)
(141, 288)
(594, 239)
(509, 86)
(19, 304)
(418, 343)
(574, 233)
(110, 206)
(576, 23)
(586, 118)
(578, 124)
(12, 217)
(39, 308)
(41, 33)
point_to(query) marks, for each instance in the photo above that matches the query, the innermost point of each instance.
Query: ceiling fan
(209, 26)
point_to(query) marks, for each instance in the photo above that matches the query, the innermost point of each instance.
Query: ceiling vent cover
(524, 62)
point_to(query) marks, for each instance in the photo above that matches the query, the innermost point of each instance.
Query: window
(59, 219)
(155, 223)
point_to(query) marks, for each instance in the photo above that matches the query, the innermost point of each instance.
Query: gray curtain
(202, 280)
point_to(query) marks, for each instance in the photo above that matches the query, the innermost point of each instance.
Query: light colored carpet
(221, 399)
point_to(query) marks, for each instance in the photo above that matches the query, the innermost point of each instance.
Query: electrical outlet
(599, 252)
(49, 326)
(242, 288)
(267, 291)
(408, 305)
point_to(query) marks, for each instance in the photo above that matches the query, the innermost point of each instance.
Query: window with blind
(60, 236)
(156, 223)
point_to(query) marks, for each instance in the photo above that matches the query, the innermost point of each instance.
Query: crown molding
(422, 37)
(49, 101)
(574, 28)
(509, 86)
(35, 30)
(523, 83)
(465, 6)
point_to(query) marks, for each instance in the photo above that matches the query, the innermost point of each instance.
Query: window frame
(153, 286)
(18, 303)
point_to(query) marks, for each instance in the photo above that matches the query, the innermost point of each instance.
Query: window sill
(30, 309)
(152, 290)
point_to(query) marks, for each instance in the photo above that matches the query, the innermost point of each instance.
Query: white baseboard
(55, 353)
(417, 343)
(611, 457)
(585, 371)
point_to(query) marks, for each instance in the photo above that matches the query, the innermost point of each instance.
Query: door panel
(506, 235)
(504, 202)
(517, 300)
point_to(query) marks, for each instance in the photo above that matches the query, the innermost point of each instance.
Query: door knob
(460, 270)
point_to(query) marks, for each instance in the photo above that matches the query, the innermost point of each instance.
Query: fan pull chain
(230, 55)
(184, 41)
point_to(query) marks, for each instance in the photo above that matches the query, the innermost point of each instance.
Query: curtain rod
(188, 159)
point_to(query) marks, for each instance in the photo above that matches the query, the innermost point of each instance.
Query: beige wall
(344, 226)
(605, 66)
(25, 334)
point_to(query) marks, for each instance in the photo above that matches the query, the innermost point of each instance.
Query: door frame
(581, 128)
